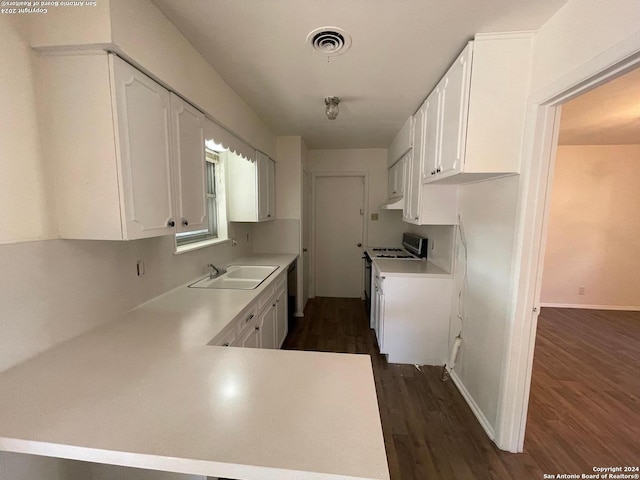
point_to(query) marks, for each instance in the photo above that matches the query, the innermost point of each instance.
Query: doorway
(541, 149)
(585, 386)
(338, 204)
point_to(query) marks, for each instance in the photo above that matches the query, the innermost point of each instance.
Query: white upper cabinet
(251, 188)
(401, 143)
(426, 204)
(396, 179)
(482, 101)
(189, 166)
(143, 134)
(117, 147)
(430, 130)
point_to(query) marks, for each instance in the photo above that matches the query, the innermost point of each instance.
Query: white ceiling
(400, 50)
(607, 115)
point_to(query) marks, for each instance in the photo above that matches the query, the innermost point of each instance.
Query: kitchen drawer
(246, 317)
(266, 296)
(227, 338)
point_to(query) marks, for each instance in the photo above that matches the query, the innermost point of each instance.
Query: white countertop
(146, 391)
(390, 267)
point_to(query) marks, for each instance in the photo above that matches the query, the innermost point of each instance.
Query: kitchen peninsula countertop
(146, 391)
(406, 268)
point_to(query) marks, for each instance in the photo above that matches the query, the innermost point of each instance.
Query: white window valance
(215, 133)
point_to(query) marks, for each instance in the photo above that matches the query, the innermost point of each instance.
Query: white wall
(487, 220)
(27, 209)
(577, 33)
(594, 227)
(388, 229)
(54, 290)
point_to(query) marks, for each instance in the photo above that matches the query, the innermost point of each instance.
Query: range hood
(393, 204)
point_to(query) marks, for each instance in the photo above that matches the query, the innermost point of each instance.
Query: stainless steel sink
(238, 277)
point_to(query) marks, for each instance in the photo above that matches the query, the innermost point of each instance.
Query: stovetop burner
(386, 249)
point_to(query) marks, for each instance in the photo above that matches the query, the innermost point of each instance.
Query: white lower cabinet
(411, 318)
(281, 315)
(251, 337)
(266, 326)
(263, 324)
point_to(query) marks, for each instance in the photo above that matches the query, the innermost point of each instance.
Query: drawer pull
(225, 344)
(249, 317)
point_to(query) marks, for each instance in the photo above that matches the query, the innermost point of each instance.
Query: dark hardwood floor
(430, 432)
(584, 408)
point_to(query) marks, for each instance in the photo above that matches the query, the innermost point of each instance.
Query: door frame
(538, 160)
(312, 240)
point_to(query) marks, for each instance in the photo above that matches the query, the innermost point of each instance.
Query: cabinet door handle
(438, 170)
(257, 328)
(225, 344)
(185, 222)
(415, 218)
(171, 223)
(269, 215)
(273, 304)
(249, 318)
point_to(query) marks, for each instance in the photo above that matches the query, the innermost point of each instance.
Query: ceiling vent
(329, 40)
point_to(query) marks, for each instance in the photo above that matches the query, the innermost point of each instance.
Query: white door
(306, 236)
(339, 221)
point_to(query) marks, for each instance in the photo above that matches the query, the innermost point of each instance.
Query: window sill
(198, 245)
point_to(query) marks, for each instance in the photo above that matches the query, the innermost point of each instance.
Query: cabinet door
(454, 111)
(408, 168)
(391, 181)
(281, 316)
(271, 174)
(395, 180)
(267, 326)
(189, 166)
(416, 167)
(399, 176)
(431, 140)
(143, 120)
(251, 337)
(263, 186)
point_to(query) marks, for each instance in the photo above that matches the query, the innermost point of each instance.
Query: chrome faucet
(215, 271)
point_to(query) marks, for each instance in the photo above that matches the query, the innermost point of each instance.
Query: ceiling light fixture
(331, 108)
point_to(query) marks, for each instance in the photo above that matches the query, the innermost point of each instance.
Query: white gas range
(414, 247)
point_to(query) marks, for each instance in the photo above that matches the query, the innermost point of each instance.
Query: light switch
(374, 217)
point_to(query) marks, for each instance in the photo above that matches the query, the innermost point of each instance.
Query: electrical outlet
(374, 217)
(581, 290)
(140, 267)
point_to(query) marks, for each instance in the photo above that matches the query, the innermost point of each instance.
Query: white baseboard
(474, 406)
(592, 307)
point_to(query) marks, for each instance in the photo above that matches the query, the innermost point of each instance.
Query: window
(216, 209)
